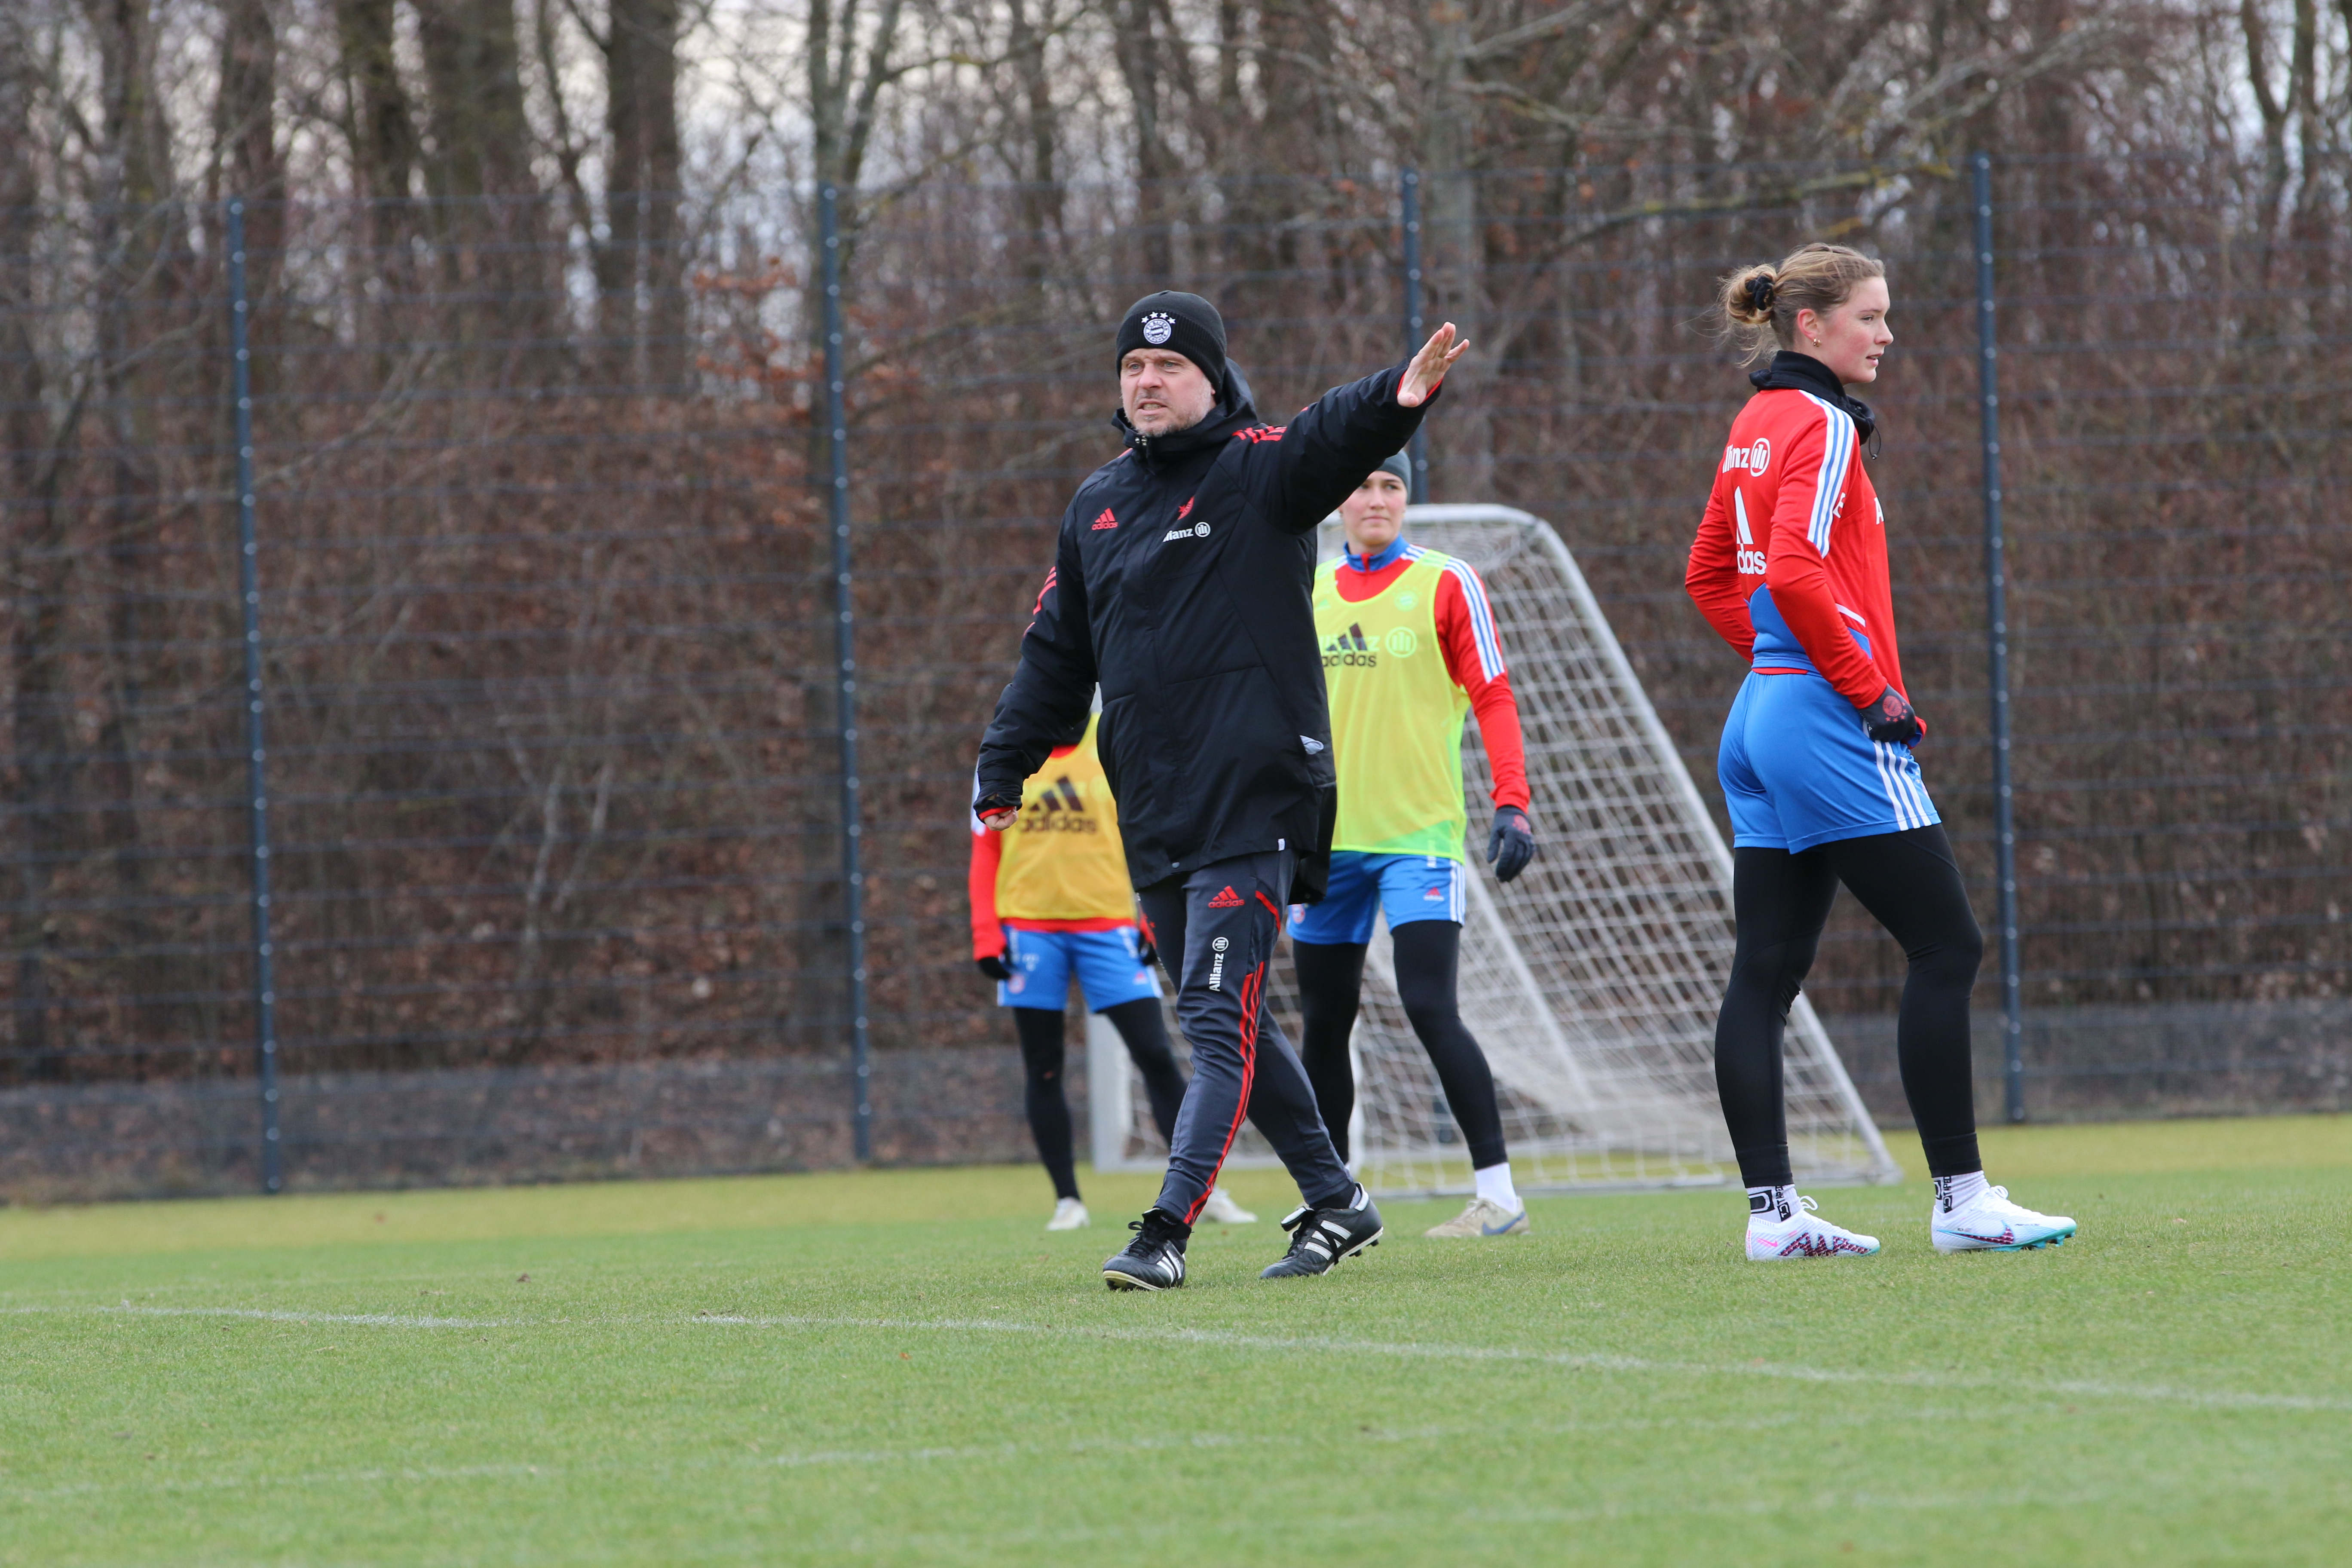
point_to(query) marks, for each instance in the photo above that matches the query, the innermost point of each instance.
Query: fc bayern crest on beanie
(1184, 322)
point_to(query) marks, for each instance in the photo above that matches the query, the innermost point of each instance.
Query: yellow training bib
(1062, 860)
(1396, 714)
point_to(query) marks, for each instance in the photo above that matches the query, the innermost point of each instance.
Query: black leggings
(1910, 885)
(1139, 1024)
(1428, 954)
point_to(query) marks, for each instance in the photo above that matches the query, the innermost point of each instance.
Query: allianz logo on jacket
(1748, 460)
(1198, 530)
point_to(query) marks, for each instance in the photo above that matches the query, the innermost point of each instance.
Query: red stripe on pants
(1251, 988)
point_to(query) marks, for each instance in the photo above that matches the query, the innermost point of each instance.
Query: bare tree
(479, 168)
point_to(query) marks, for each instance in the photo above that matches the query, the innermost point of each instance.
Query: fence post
(2013, 999)
(1415, 326)
(256, 773)
(853, 875)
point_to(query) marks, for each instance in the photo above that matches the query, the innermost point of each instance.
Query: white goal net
(1591, 980)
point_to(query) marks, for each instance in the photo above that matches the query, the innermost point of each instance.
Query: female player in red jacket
(1816, 760)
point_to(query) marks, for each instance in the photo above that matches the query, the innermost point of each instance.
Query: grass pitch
(900, 1367)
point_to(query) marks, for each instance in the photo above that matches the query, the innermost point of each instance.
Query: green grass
(900, 1367)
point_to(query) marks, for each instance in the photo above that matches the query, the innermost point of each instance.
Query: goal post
(1591, 980)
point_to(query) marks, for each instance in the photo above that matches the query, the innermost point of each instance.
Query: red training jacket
(1790, 560)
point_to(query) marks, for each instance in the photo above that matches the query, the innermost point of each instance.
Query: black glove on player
(1891, 718)
(1511, 844)
(994, 967)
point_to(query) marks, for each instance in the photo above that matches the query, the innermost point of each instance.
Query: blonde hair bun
(1760, 303)
(1747, 295)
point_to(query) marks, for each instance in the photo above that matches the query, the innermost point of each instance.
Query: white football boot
(1991, 1223)
(1068, 1214)
(1483, 1217)
(1793, 1230)
(1222, 1210)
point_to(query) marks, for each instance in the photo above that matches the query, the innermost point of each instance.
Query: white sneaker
(1483, 1217)
(1799, 1233)
(1992, 1224)
(1068, 1214)
(1222, 1208)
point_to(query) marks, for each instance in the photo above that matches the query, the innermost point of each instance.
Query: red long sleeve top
(1790, 565)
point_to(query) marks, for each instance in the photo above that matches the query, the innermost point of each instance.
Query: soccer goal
(1593, 980)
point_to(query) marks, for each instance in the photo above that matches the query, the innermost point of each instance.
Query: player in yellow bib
(1050, 901)
(1408, 651)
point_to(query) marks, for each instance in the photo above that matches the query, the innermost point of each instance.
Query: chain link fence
(550, 765)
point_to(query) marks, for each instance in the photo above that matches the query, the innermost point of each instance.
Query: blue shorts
(1406, 887)
(1043, 961)
(1799, 769)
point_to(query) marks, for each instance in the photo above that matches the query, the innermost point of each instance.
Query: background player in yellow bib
(1409, 649)
(1050, 901)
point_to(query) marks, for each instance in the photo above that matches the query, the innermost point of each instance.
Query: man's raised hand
(997, 810)
(1429, 366)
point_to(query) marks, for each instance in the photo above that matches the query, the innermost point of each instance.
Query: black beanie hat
(1184, 322)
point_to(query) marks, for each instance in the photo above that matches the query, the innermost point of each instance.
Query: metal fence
(530, 701)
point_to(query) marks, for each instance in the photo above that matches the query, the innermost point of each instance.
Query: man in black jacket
(1182, 584)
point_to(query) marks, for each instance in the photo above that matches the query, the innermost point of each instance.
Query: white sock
(1495, 1187)
(1955, 1193)
(1771, 1206)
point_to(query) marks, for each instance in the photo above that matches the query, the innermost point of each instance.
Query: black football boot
(1319, 1238)
(1154, 1260)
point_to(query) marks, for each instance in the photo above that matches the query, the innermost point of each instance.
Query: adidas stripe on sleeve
(1828, 486)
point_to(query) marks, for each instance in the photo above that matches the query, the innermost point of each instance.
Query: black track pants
(1042, 1060)
(1215, 929)
(1428, 959)
(1910, 885)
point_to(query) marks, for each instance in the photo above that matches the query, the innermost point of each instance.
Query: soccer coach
(1182, 584)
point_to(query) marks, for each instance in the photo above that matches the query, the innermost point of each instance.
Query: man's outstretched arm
(1328, 450)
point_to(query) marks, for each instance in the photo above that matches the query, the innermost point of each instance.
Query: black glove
(1891, 718)
(1512, 843)
(996, 800)
(1146, 951)
(993, 967)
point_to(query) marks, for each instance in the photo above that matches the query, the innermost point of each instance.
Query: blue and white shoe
(1221, 1209)
(1484, 1216)
(1991, 1223)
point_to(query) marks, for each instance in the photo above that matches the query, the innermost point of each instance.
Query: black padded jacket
(1183, 582)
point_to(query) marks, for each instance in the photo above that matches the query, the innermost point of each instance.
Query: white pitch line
(2081, 1388)
(281, 1315)
(2220, 1399)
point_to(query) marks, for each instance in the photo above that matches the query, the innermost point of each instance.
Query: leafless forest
(546, 598)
